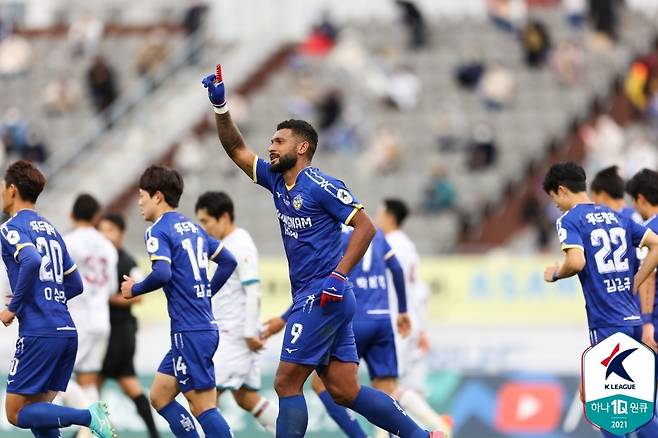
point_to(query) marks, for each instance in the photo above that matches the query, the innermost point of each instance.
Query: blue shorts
(314, 335)
(41, 364)
(375, 343)
(598, 334)
(190, 359)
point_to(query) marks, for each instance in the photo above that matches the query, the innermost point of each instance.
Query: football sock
(293, 417)
(341, 416)
(214, 425)
(144, 410)
(383, 411)
(265, 413)
(47, 415)
(180, 421)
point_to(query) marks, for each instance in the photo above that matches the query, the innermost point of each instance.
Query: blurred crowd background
(457, 107)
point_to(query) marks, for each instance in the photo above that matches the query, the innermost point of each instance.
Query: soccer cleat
(100, 425)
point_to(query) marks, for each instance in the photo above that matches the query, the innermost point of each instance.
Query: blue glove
(216, 90)
(333, 288)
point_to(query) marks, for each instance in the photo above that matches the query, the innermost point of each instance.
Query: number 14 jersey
(607, 280)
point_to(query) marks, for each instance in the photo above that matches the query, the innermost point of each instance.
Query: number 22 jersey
(607, 279)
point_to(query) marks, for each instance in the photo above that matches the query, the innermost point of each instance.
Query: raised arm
(229, 134)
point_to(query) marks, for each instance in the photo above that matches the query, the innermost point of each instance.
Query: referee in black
(118, 363)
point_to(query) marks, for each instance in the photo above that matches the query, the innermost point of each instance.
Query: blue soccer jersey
(606, 239)
(368, 278)
(175, 239)
(310, 215)
(41, 311)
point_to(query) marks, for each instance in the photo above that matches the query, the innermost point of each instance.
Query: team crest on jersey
(13, 237)
(297, 202)
(152, 244)
(344, 196)
(562, 234)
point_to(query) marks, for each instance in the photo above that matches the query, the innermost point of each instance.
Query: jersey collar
(289, 188)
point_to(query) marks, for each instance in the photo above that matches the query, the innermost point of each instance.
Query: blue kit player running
(643, 188)
(43, 277)
(179, 252)
(595, 241)
(311, 206)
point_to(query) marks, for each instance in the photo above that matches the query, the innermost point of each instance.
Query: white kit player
(412, 351)
(236, 308)
(96, 258)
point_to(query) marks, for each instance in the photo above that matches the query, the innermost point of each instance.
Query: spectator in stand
(567, 61)
(576, 11)
(15, 55)
(603, 15)
(414, 21)
(507, 15)
(102, 84)
(440, 192)
(536, 43)
(152, 53)
(497, 87)
(35, 149)
(329, 109)
(193, 21)
(483, 150)
(13, 131)
(403, 88)
(383, 156)
(85, 34)
(62, 95)
(322, 38)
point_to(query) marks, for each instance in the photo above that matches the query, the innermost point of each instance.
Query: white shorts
(91, 352)
(236, 366)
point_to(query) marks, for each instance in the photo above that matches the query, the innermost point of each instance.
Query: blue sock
(46, 433)
(384, 412)
(47, 416)
(293, 417)
(348, 424)
(180, 421)
(214, 425)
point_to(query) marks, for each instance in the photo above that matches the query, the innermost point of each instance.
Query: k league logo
(619, 381)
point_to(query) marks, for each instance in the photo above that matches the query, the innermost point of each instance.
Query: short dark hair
(85, 208)
(164, 180)
(28, 180)
(216, 203)
(302, 129)
(115, 218)
(567, 174)
(608, 181)
(644, 183)
(397, 208)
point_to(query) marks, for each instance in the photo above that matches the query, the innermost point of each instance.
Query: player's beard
(286, 162)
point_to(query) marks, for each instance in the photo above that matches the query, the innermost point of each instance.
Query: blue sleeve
(393, 265)
(158, 277)
(29, 262)
(226, 264)
(638, 232)
(157, 245)
(68, 262)
(214, 246)
(568, 233)
(262, 174)
(14, 239)
(334, 197)
(73, 285)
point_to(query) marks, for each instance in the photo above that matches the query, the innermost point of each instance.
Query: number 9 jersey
(42, 311)
(607, 239)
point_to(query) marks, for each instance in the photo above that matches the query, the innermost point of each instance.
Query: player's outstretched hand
(216, 91)
(127, 287)
(404, 324)
(7, 317)
(254, 344)
(333, 288)
(648, 336)
(271, 327)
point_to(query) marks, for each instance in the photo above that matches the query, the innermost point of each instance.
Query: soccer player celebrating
(593, 239)
(643, 188)
(97, 261)
(43, 277)
(118, 363)
(179, 252)
(237, 311)
(311, 206)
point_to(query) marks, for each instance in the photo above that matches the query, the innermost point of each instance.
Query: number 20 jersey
(607, 279)
(43, 311)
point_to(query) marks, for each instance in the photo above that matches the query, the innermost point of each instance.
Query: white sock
(417, 406)
(75, 396)
(92, 393)
(265, 412)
